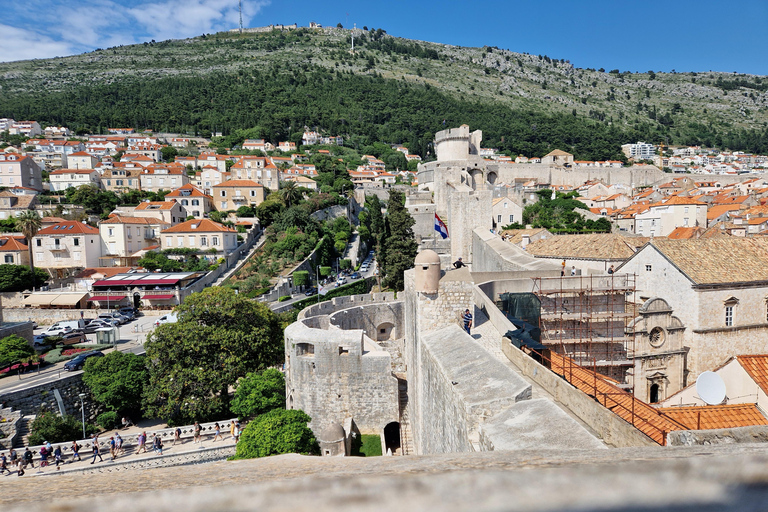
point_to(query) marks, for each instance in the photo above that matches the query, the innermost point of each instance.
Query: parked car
(114, 315)
(73, 338)
(38, 340)
(310, 292)
(170, 318)
(55, 330)
(129, 311)
(64, 326)
(98, 324)
(355, 275)
(79, 361)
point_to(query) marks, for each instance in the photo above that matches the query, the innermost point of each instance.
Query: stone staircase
(22, 438)
(406, 437)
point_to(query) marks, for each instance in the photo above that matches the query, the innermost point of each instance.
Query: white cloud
(20, 44)
(89, 24)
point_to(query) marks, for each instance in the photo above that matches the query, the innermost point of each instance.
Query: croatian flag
(440, 227)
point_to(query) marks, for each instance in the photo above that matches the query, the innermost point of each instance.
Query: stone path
(486, 335)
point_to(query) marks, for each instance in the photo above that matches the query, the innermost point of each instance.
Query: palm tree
(29, 224)
(290, 193)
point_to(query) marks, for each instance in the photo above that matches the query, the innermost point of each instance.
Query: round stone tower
(427, 271)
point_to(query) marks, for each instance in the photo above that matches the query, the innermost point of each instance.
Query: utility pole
(241, 15)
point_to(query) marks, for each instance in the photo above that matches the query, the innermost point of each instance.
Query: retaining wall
(70, 385)
(47, 316)
(339, 303)
(753, 434)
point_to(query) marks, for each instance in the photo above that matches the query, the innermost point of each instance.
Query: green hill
(391, 89)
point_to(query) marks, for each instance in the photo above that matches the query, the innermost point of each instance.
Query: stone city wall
(334, 374)
(70, 385)
(47, 316)
(338, 303)
(22, 328)
(613, 430)
(462, 387)
(753, 434)
(379, 322)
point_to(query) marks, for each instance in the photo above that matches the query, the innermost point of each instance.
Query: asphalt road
(131, 339)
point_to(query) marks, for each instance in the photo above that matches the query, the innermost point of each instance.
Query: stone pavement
(528, 417)
(686, 479)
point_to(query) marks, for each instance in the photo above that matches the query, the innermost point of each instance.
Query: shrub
(284, 298)
(14, 348)
(258, 393)
(278, 431)
(57, 429)
(107, 420)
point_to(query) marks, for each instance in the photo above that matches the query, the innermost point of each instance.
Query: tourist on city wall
(236, 431)
(95, 449)
(611, 270)
(118, 444)
(467, 317)
(177, 436)
(28, 458)
(157, 444)
(43, 456)
(142, 442)
(57, 456)
(217, 432)
(458, 263)
(197, 429)
(4, 464)
(75, 451)
(112, 448)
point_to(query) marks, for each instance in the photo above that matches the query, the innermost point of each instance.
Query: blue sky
(625, 34)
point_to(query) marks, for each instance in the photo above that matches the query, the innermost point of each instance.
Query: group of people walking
(13, 461)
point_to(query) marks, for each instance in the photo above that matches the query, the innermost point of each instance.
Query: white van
(63, 326)
(170, 318)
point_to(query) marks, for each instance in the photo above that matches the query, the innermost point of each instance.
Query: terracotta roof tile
(69, 227)
(709, 417)
(201, 226)
(10, 243)
(757, 368)
(598, 246)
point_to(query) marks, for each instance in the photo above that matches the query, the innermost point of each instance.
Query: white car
(170, 318)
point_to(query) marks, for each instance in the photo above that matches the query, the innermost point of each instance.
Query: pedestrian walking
(118, 444)
(142, 442)
(112, 448)
(28, 458)
(237, 431)
(197, 430)
(573, 270)
(177, 436)
(467, 317)
(57, 457)
(96, 451)
(217, 432)
(13, 459)
(157, 444)
(75, 451)
(232, 429)
(4, 464)
(43, 456)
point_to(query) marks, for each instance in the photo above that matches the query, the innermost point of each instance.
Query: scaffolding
(585, 318)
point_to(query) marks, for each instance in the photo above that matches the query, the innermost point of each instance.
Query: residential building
(121, 237)
(663, 217)
(82, 160)
(258, 169)
(303, 181)
(232, 194)
(73, 178)
(162, 178)
(147, 149)
(179, 142)
(14, 250)
(19, 171)
(169, 212)
(285, 147)
(639, 151)
(122, 179)
(209, 176)
(192, 200)
(14, 204)
(505, 212)
(26, 128)
(67, 245)
(200, 234)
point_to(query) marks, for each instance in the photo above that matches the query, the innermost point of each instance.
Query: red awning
(158, 297)
(115, 298)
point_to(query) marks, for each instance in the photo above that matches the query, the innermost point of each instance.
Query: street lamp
(82, 410)
(109, 290)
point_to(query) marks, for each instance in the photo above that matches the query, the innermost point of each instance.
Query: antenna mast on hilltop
(241, 15)
(353, 39)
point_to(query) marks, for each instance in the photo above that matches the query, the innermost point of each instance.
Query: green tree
(14, 348)
(290, 193)
(399, 246)
(300, 278)
(29, 223)
(16, 278)
(278, 431)
(53, 428)
(258, 393)
(116, 381)
(220, 336)
(169, 153)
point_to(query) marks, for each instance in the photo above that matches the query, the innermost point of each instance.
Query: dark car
(355, 275)
(78, 362)
(310, 292)
(129, 311)
(73, 338)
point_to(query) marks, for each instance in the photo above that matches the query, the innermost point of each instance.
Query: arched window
(654, 398)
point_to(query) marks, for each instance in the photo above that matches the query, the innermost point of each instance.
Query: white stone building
(202, 235)
(19, 171)
(67, 245)
(73, 178)
(664, 217)
(121, 236)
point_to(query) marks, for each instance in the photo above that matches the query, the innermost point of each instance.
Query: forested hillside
(390, 90)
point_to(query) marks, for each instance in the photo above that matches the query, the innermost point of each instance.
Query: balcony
(150, 235)
(52, 246)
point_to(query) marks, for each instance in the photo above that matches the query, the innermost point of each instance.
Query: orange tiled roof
(757, 368)
(648, 420)
(709, 417)
(682, 233)
(69, 227)
(158, 205)
(201, 226)
(10, 243)
(238, 183)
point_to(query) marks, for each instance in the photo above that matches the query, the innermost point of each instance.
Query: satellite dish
(710, 388)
